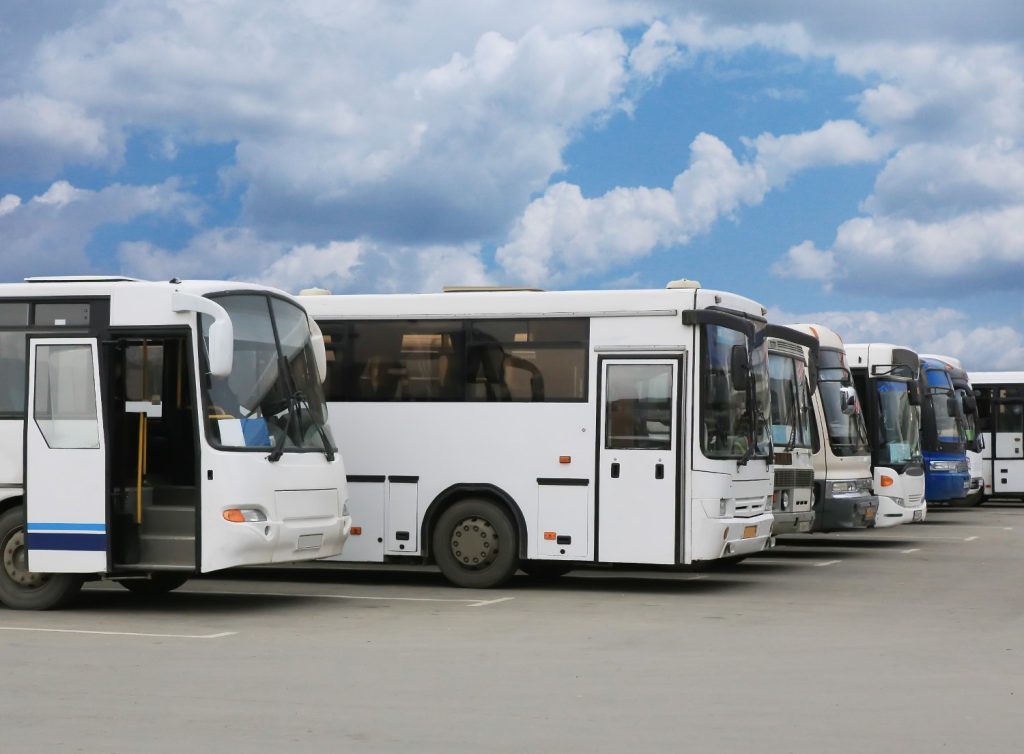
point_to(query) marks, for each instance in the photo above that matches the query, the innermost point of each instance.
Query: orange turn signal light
(565, 459)
(549, 535)
(355, 531)
(235, 515)
(887, 481)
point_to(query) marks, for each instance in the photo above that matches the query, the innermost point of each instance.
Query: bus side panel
(12, 436)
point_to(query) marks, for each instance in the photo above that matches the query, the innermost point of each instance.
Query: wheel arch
(463, 491)
(12, 501)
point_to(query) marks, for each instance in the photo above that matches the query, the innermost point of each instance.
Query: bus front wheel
(474, 544)
(20, 588)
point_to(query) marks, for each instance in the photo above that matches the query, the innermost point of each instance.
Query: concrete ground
(908, 639)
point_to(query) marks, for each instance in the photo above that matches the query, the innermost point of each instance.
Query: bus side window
(12, 373)
(984, 397)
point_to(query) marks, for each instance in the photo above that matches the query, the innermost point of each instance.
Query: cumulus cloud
(49, 233)
(340, 266)
(563, 235)
(943, 330)
(38, 134)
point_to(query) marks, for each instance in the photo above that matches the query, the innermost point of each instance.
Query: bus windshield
(899, 423)
(733, 417)
(790, 419)
(940, 390)
(847, 434)
(272, 398)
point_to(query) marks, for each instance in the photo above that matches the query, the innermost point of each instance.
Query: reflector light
(549, 535)
(244, 515)
(565, 459)
(355, 531)
(887, 481)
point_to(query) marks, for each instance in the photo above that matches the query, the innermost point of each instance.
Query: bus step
(167, 550)
(168, 521)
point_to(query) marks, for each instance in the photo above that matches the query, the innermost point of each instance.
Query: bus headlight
(785, 500)
(244, 515)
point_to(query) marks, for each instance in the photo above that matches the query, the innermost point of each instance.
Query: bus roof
(827, 337)
(526, 303)
(996, 378)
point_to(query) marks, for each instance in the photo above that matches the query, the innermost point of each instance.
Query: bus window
(12, 373)
(638, 407)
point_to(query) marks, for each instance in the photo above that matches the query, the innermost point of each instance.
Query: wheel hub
(15, 557)
(475, 543)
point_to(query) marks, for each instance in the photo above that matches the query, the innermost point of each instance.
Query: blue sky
(864, 169)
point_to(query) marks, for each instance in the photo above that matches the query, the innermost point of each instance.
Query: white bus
(792, 356)
(1000, 397)
(486, 430)
(886, 377)
(151, 431)
(843, 497)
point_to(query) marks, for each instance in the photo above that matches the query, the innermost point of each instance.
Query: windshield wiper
(295, 402)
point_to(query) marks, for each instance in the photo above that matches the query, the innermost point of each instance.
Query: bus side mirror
(970, 404)
(848, 400)
(954, 407)
(319, 349)
(739, 368)
(221, 348)
(914, 394)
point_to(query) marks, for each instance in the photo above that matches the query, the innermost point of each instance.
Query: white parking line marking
(912, 549)
(1007, 528)
(485, 603)
(828, 563)
(466, 602)
(118, 633)
(969, 539)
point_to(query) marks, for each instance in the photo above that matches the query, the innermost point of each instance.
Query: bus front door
(65, 458)
(638, 467)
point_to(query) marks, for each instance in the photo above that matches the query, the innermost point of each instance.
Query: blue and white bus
(943, 438)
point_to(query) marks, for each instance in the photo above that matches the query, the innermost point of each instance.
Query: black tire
(544, 569)
(492, 555)
(20, 589)
(156, 585)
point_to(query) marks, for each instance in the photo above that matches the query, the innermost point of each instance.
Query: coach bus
(152, 431)
(886, 377)
(943, 435)
(968, 411)
(1000, 397)
(840, 452)
(486, 430)
(792, 356)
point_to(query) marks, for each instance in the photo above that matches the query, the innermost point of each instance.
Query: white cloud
(563, 235)
(38, 134)
(49, 233)
(943, 330)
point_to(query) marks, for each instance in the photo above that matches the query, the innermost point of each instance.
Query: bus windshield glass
(847, 434)
(273, 397)
(940, 390)
(899, 423)
(790, 418)
(733, 415)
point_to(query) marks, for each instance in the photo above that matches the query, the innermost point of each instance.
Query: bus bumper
(941, 486)
(732, 537)
(892, 513)
(800, 522)
(847, 511)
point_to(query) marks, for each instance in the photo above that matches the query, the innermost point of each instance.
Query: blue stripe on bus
(100, 528)
(80, 542)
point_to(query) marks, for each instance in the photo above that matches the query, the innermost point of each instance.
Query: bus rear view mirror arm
(221, 345)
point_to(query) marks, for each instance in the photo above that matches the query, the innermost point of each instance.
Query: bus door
(1007, 469)
(638, 460)
(65, 458)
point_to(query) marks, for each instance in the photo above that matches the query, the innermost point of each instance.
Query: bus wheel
(545, 569)
(20, 588)
(156, 584)
(474, 543)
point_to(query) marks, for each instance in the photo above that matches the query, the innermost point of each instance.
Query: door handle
(659, 471)
(615, 470)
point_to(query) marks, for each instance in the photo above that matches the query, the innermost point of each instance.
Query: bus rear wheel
(474, 544)
(156, 585)
(20, 588)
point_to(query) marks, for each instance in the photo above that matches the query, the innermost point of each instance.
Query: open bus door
(65, 458)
